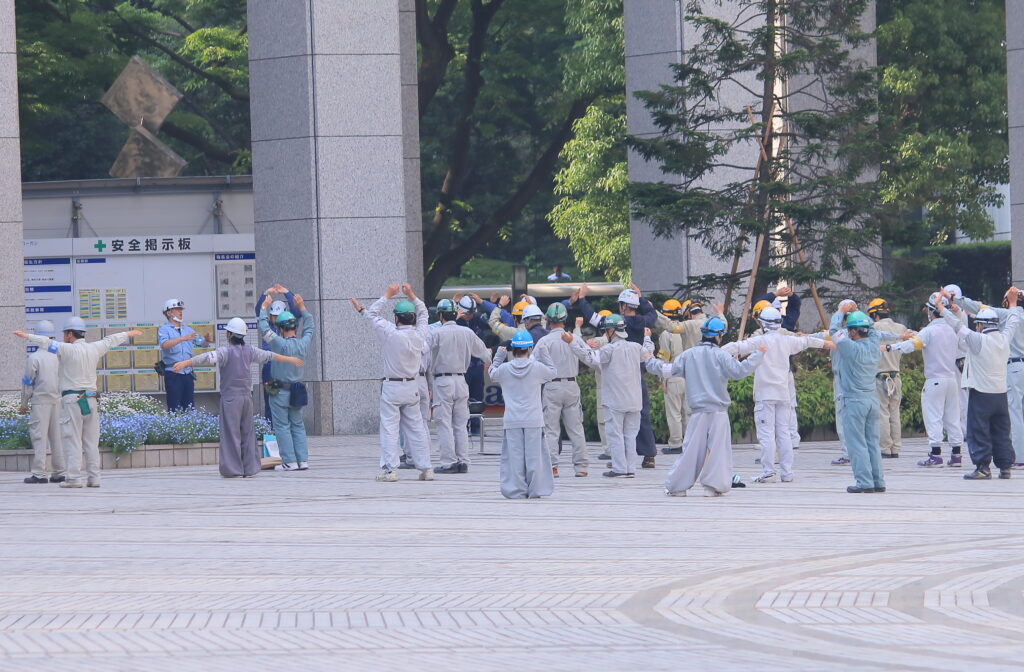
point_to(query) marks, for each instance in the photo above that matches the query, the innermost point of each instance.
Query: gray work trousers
(237, 455)
(525, 469)
(561, 401)
(80, 432)
(706, 456)
(676, 412)
(400, 412)
(1015, 400)
(621, 428)
(890, 429)
(451, 412)
(44, 430)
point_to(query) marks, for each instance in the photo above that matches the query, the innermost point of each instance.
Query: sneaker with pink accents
(840, 461)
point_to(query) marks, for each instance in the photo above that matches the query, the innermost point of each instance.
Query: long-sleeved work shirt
(620, 362)
(987, 351)
(645, 318)
(78, 360)
(452, 346)
(707, 370)
(771, 381)
(521, 381)
(296, 346)
(890, 361)
(41, 382)
(565, 357)
(974, 307)
(402, 347)
(940, 349)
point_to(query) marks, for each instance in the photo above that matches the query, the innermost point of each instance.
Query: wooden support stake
(811, 283)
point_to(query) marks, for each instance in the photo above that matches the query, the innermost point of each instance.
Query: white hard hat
(936, 300)
(467, 303)
(954, 291)
(45, 328)
(529, 299)
(987, 316)
(278, 307)
(74, 323)
(770, 318)
(532, 311)
(237, 326)
(629, 297)
(173, 303)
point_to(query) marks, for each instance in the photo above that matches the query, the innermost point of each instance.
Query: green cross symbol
(100, 245)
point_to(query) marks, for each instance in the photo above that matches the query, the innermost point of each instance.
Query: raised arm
(499, 359)
(735, 369)
(480, 350)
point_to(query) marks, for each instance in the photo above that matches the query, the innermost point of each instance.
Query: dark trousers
(645, 437)
(988, 429)
(180, 390)
(265, 377)
(475, 381)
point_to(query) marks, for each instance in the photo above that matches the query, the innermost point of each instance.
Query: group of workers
(59, 388)
(973, 393)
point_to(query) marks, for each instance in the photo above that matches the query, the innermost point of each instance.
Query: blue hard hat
(522, 339)
(713, 326)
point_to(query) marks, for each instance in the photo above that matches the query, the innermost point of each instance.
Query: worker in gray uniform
(562, 395)
(80, 420)
(452, 346)
(40, 388)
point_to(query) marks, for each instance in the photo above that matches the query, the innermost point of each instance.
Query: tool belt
(887, 374)
(568, 380)
(83, 399)
(298, 395)
(888, 379)
(398, 380)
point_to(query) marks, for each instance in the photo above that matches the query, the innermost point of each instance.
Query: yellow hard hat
(517, 309)
(877, 305)
(671, 307)
(604, 313)
(759, 306)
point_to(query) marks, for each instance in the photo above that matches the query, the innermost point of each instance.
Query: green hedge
(813, 390)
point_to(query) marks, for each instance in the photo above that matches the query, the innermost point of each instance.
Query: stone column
(1015, 100)
(336, 178)
(12, 299)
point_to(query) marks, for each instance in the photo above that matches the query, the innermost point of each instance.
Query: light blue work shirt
(181, 351)
(290, 347)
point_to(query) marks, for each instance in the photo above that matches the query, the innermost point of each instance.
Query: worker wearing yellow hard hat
(888, 382)
(670, 346)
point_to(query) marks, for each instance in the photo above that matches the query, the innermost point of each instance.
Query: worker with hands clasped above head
(40, 388)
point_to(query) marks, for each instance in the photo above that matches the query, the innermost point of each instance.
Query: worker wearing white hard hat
(237, 455)
(276, 308)
(176, 340)
(1014, 364)
(772, 414)
(80, 424)
(40, 390)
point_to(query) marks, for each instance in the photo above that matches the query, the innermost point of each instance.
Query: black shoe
(406, 465)
(1004, 474)
(979, 474)
(604, 456)
(881, 489)
(739, 484)
(890, 457)
(609, 465)
(613, 474)
(450, 469)
(668, 450)
(855, 488)
(648, 463)
(463, 468)
(58, 479)
(36, 479)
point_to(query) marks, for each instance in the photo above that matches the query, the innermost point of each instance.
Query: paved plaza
(178, 569)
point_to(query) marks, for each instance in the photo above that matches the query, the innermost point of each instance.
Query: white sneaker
(427, 475)
(286, 466)
(770, 477)
(679, 493)
(387, 477)
(71, 484)
(303, 466)
(711, 492)
(787, 479)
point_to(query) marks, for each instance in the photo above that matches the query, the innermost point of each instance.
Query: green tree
(943, 115)
(781, 72)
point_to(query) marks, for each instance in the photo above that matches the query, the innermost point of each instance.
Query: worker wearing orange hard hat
(670, 346)
(888, 382)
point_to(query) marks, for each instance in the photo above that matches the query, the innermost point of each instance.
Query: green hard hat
(446, 306)
(857, 319)
(614, 322)
(285, 317)
(404, 307)
(557, 312)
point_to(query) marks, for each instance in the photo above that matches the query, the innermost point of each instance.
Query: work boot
(604, 456)
(452, 468)
(889, 457)
(72, 484)
(614, 474)
(979, 474)
(931, 461)
(35, 479)
(58, 479)
(1004, 474)
(386, 476)
(770, 477)
(955, 460)
(647, 463)
(463, 468)
(671, 450)
(858, 489)
(406, 464)
(840, 461)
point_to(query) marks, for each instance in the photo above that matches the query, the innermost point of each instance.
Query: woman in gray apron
(238, 456)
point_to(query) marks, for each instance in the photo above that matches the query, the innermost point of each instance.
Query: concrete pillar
(12, 302)
(1015, 100)
(336, 178)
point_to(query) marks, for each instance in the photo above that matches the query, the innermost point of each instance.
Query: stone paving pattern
(178, 569)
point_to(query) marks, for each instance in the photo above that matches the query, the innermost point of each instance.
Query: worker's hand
(783, 291)
(829, 345)
(269, 291)
(293, 360)
(300, 304)
(1011, 296)
(955, 308)
(647, 332)
(19, 333)
(644, 357)
(391, 291)
(355, 304)
(884, 347)
(267, 301)
(457, 297)
(567, 337)
(502, 350)
(719, 308)
(636, 289)
(581, 293)
(503, 301)
(944, 294)
(135, 333)
(208, 338)
(180, 366)
(22, 410)
(408, 291)
(280, 289)
(847, 306)
(495, 296)
(593, 343)
(906, 335)
(476, 297)
(763, 348)
(579, 322)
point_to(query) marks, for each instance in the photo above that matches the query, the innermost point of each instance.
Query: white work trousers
(525, 472)
(80, 432)
(940, 406)
(1015, 400)
(837, 399)
(599, 412)
(676, 411)
(706, 456)
(400, 414)
(562, 403)
(890, 429)
(621, 428)
(794, 425)
(451, 412)
(772, 420)
(44, 430)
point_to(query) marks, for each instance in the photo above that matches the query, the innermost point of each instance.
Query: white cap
(173, 303)
(629, 297)
(770, 318)
(954, 291)
(278, 307)
(532, 311)
(467, 303)
(237, 326)
(74, 323)
(987, 315)
(936, 300)
(45, 328)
